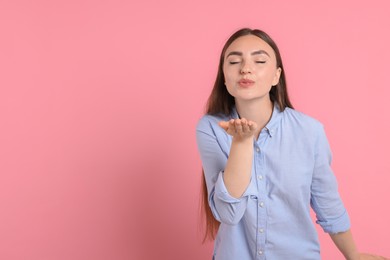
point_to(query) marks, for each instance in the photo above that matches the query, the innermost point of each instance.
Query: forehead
(248, 44)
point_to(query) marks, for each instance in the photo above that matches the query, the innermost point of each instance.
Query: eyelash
(236, 62)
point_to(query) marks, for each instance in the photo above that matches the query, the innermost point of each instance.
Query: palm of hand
(239, 128)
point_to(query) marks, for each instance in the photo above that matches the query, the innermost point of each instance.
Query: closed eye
(234, 62)
(260, 62)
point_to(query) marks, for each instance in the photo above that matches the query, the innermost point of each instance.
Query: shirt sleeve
(325, 199)
(214, 154)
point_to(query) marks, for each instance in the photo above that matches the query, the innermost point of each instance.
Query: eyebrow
(253, 53)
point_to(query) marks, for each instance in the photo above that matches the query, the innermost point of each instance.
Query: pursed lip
(246, 83)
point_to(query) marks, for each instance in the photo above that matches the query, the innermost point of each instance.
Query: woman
(264, 163)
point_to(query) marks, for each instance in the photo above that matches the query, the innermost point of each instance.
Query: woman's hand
(364, 256)
(239, 128)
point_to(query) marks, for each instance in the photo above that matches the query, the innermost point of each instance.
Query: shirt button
(260, 252)
(258, 149)
(260, 177)
(261, 204)
(261, 230)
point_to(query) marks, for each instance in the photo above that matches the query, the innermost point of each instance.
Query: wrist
(242, 139)
(354, 256)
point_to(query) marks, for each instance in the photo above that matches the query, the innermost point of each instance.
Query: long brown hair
(221, 102)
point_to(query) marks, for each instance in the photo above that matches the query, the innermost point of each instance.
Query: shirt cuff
(341, 224)
(222, 193)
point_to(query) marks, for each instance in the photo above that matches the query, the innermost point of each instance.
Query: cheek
(228, 79)
(228, 76)
(268, 75)
(229, 83)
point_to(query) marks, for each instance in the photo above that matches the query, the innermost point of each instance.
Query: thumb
(252, 125)
(224, 124)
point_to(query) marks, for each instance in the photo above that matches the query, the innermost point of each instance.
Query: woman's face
(250, 68)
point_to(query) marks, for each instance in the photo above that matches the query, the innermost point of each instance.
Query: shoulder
(208, 131)
(301, 123)
(209, 123)
(301, 119)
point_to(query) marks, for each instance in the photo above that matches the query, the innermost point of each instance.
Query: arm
(239, 165)
(325, 199)
(214, 148)
(346, 245)
(327, 204)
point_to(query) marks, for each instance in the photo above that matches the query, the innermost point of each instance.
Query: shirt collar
(273, 123)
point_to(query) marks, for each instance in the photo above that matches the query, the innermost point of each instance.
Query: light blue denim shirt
(290, 172)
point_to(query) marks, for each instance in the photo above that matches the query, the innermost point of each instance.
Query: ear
(275, 81)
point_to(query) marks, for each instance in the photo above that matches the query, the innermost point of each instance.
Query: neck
(259, 111)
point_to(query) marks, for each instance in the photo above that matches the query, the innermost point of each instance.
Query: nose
(246, 68)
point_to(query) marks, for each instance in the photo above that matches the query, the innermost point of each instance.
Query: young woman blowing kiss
(265, 163)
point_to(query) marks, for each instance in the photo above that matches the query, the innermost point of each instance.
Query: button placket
(260, 176)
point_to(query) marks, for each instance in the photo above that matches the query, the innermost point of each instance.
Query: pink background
(99, 102)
